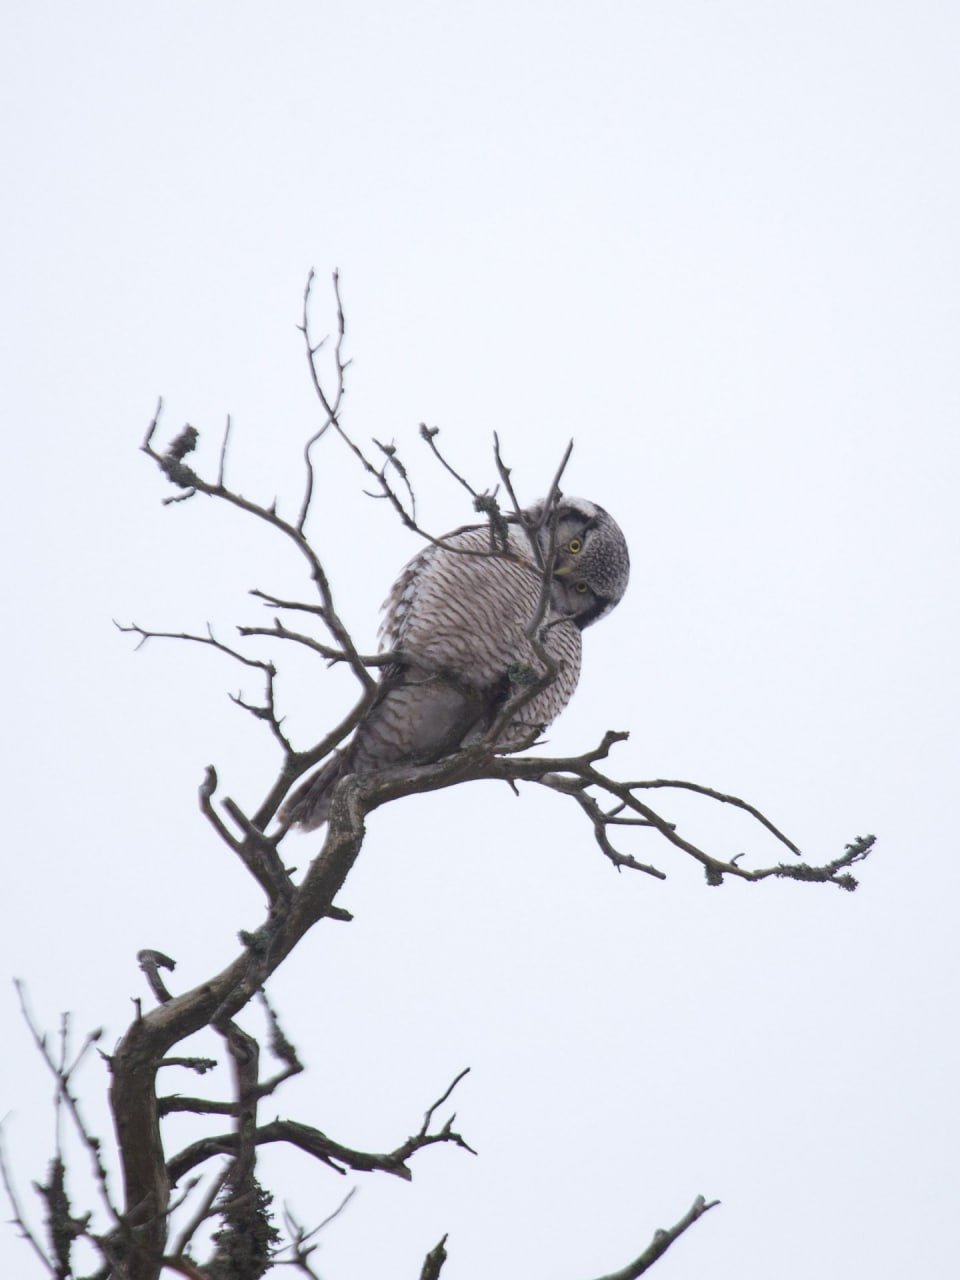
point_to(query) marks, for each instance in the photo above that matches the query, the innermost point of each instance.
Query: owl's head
(592, 564)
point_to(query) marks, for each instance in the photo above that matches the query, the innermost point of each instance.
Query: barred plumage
(458, 622)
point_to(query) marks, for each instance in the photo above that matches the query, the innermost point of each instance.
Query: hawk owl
(457, 622)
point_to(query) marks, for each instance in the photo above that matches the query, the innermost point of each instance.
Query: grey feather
(459, 622)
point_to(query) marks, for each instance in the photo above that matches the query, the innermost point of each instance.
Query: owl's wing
(460, 610)
(400, 606)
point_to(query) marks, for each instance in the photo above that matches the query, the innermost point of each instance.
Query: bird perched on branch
(459, 619)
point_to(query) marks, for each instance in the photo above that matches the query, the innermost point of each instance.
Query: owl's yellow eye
(582, 587)
(575, 545)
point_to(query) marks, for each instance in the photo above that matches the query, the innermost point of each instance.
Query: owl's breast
(466, 616)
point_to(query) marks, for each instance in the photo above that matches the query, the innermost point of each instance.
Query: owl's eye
(582, 587)
(575, 545)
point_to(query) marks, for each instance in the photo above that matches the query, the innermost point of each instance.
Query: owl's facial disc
(591, 563)
(574, 598)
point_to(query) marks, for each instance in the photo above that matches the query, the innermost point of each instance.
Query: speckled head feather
(605, 558)
(592, 562)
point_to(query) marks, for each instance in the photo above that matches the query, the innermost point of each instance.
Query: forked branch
(334, 1155)
(171, 462)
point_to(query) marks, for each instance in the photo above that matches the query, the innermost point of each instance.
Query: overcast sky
(716, 244)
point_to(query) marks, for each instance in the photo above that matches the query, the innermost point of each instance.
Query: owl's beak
(562, 571)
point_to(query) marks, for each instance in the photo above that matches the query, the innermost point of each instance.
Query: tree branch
(661, 1242)
(19, 1218)
(299, 1246)
(281, 632)
(331, 405)
(433, 1262)
(62, 1075)
(178, 473)
(315, 1143)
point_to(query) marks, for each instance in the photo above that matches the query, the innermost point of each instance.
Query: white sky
(717, 244)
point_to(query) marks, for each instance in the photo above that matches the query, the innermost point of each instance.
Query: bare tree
(131, 1230)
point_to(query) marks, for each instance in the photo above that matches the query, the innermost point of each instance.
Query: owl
(457, 618)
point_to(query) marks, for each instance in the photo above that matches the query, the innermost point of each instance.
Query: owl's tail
(415, 720)
(309, 805)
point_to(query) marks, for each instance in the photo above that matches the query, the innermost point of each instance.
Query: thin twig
(223, 454)
(661, 1242)
(276, 603)
(63, 1090)
(735, 801)
(428, 1116)
(18, 1214)
(203, 1210)
(429, 434)
(179, 474)
(281, 632)
(209, 639)
(330, 405)
(299, 1246)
